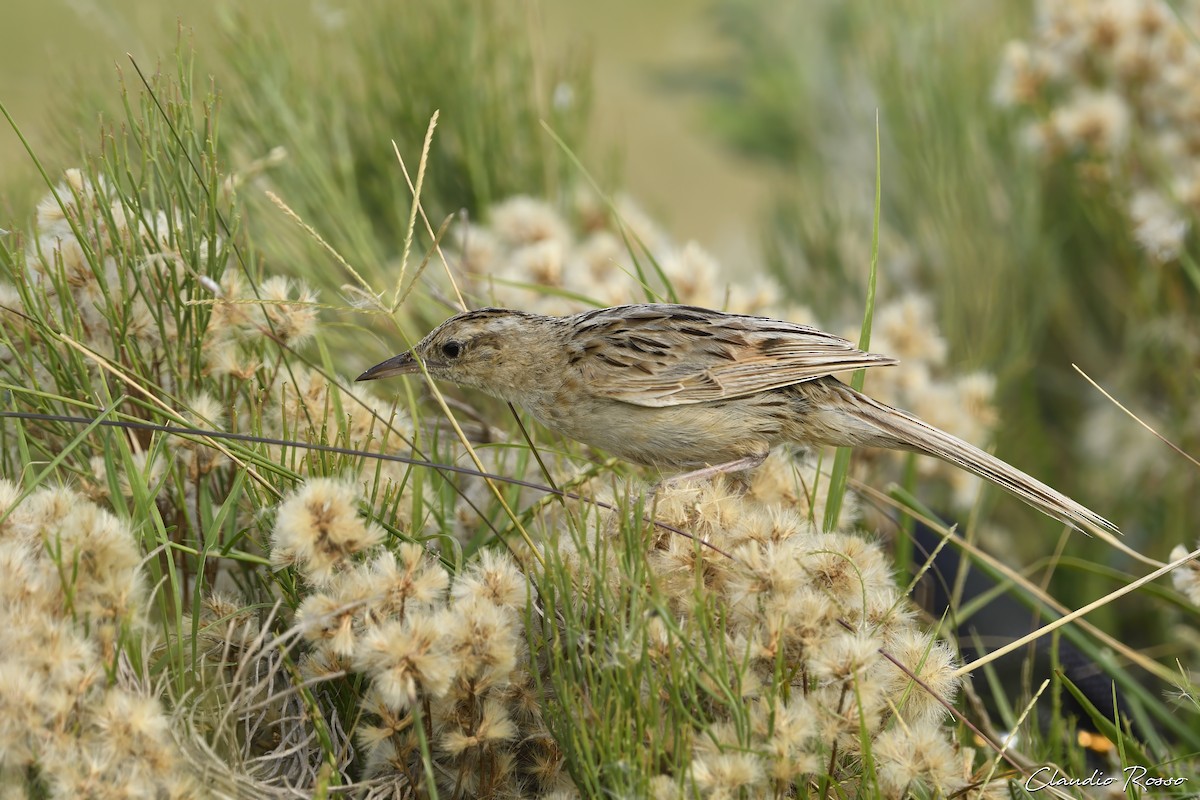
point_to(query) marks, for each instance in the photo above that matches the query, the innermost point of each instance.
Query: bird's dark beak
(403, 364)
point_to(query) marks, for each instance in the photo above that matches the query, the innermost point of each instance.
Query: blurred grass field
(206, 616)
(665, 158)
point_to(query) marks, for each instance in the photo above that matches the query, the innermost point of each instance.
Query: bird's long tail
(863, 422)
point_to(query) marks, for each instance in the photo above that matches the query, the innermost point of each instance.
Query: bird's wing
(666, 355)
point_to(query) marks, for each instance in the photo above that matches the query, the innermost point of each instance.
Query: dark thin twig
(954, 712)
(179, 430)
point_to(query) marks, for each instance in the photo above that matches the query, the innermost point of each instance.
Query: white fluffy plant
(79, 716)
(448, 680)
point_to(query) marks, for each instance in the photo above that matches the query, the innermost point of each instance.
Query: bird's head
(492, 349)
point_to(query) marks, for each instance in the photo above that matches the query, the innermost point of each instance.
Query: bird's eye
(451, 349)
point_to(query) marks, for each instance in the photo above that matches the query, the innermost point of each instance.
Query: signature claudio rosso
(1138, 776)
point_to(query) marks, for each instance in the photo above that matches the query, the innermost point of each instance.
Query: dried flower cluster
(1112, 84)
(1108, 90)
(803, 617)
(91, 253)
(121, 280)
(445, 659)
(529, 257)
(213, 347)
(448, 670)
(73, 720)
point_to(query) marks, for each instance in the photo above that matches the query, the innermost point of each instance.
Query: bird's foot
(740, 465)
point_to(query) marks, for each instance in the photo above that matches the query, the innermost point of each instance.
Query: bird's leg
(737, 465)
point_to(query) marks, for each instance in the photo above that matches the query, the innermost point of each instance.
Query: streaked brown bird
(687, 388)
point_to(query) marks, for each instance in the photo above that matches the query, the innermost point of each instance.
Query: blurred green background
(679, 172)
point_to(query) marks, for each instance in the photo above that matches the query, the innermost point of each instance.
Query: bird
(685, 388)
